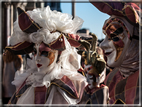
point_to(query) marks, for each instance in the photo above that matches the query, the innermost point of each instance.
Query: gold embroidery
(114, 9)
(117, 100)
(137, 21)
(64, 90)
(30, 20)
(55, 40)
(12, 47)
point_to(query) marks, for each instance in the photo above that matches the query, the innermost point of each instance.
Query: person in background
(121, 50)
(12, 63)
(82, 48)
(95, 71)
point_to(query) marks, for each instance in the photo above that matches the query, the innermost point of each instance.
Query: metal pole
(73, 8)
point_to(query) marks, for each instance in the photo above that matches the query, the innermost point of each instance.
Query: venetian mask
(94, 62)
(91, 78)
(44, 56)
(116, 42)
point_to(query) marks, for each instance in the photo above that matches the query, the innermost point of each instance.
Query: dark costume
(97, 95)
(95, 72)
(123, 91)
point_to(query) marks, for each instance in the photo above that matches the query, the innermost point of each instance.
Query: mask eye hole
(119, 31)
(114, 36)
(28, 56)
(115, 39)
(91, 77)
(34, 51)
(44, 53)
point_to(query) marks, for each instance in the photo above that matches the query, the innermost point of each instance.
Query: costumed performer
(121, 49)
(95, 71)
(50, 37)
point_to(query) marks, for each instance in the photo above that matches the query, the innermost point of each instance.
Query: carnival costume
(95, 72)
(50, 37)
(121, 48)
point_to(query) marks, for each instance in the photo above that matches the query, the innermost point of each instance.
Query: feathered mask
(92, 57)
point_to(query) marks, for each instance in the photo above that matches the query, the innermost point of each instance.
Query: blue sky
(93, 18)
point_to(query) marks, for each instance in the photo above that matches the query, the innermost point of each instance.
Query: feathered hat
(43, 25)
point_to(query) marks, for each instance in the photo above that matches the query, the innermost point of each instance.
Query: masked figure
(95, 71)
(51, 75)
(121, 50)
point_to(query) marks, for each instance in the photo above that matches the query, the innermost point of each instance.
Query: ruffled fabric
(69, 63)
(21, 75)
(69, 60)
(57, 71)
(54, 20)
(50, 21)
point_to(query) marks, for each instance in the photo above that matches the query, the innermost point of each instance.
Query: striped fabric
(123, 90)
(26, 24)
(18, 93)
(42, 93)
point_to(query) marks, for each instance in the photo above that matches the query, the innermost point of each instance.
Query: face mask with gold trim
(115, 43)
(94, 62)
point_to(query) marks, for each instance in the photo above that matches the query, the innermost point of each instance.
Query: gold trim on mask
(112, 20)
(119, 52)
(51, 56)
(119, 49)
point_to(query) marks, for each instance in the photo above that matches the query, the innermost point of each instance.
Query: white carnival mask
(91, 79)
(44, 57)
(115, 43)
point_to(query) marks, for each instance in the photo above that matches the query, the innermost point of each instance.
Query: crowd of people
(62, 68)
